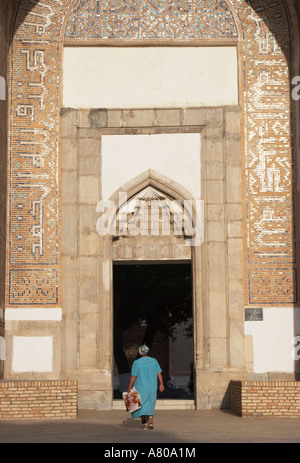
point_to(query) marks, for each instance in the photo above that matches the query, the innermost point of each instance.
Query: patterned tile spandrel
(148, 19)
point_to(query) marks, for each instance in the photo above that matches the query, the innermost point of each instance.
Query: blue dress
(146, 369)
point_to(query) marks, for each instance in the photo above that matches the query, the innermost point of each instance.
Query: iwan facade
(111, 108)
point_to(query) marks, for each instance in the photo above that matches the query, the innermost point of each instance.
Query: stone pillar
(219, 334)
(86, 258)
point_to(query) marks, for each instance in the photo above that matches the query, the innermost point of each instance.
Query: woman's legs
(150, 421)
(144, 419)
(147, 420)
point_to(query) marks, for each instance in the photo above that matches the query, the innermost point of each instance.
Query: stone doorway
(89, 256)
(153, 303)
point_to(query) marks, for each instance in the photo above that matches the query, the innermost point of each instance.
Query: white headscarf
(143, 350)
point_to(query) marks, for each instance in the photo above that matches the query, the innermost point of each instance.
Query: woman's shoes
(150, 423)
(147, 423)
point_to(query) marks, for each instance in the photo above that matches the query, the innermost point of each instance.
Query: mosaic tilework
(34, 129)
(280, 281)
(33, 286)
(268, 151)
(148, 19)
(33, 188)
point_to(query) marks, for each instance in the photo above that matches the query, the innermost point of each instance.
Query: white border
(25, 314)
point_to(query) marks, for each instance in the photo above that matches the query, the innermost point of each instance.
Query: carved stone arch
(151, 185)
(153, 178)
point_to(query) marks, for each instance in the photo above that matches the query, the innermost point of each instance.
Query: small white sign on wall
(32, 353)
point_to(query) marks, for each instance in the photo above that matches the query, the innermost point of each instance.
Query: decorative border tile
(145, 19)
(269, 285)
(33, 287)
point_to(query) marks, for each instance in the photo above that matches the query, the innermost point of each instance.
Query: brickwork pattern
(34, 195)
(38, 399)
(268, 154)
(34, 147)
(265, 398)
(151, 20)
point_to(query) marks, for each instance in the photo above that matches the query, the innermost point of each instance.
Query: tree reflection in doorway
(151, 299)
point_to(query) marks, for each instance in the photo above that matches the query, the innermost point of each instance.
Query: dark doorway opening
(153, 304)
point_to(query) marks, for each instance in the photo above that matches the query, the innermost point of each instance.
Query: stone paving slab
(171, 427)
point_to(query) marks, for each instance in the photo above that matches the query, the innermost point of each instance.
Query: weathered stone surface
(218, 352)
(69, 148)
(88, 190)
(88, 147)
(98, 118)
(215, 191)
(69, 187)
(69, 122)
(88, 256)
(69, 230)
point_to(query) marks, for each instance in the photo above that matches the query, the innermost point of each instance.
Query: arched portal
(151, 225)
(236, 22)
(153, 300)
(56, 270)
(105, 153)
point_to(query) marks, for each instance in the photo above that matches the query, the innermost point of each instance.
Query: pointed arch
(165, 188)
(155, 179)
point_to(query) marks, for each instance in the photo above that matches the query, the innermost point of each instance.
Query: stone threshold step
(168, 404)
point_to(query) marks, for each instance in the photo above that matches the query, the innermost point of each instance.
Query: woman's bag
(132, 400)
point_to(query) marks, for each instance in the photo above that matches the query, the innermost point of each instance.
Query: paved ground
(171, 427)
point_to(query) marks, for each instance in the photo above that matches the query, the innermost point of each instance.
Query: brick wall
(38, 399)
(265, 398)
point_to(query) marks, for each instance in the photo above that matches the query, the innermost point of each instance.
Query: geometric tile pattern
(33, 244)
(148, 19)
(281, 282)
(33, 286)
(34, 194)
(268, 153)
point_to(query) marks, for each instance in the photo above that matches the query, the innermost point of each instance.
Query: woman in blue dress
(144, 374)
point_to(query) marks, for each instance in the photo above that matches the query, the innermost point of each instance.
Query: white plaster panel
(176, 156)
(273, 339)
(33, 314)
(147, 77)
(32, 353)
